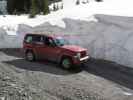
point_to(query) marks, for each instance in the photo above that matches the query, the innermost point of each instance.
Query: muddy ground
(43, 80)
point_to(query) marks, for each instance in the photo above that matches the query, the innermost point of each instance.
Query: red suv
(53, 48)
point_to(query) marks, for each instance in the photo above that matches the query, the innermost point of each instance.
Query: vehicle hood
(74, 48)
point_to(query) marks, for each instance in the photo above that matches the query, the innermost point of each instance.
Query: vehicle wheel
(30, 56)
(66, 63)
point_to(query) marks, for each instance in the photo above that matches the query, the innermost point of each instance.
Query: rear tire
(66, 63)
(30, 56)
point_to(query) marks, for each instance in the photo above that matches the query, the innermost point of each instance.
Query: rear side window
(28, 39)
(33, 38)
(38, 38)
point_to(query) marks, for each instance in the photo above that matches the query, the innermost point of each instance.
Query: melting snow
(127, 93)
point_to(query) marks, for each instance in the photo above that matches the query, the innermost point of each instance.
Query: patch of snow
(60, 23)
(59, 4)
(11, 29)
(69, 3)
(127, 93)
(2, 98)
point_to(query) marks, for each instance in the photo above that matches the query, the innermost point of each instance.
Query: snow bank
(110, 38)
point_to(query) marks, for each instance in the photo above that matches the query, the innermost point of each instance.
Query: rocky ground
(42, 80)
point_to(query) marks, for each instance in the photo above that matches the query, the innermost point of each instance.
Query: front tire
(66, 63)
(30, 56)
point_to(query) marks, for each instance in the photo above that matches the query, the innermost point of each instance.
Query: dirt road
(42, 80)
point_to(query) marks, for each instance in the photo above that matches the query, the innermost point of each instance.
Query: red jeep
(53, 48)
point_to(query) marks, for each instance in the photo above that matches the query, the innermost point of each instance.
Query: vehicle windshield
(61, 42)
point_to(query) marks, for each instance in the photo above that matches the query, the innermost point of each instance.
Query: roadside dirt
(42, 80)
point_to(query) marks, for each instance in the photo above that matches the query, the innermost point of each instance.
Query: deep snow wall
(110, 38)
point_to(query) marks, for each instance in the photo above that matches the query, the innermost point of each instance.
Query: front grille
(83, 53)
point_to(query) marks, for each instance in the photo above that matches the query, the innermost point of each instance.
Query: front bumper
(81, 60)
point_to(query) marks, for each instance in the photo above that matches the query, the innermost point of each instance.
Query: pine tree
(87, 1)
(33, 10)
(54, 7)
(57, 7)
(99, 0)
(77, 2)
(10, 6)
(45, 7)
(62, 6)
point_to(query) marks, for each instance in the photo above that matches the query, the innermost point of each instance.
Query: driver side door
(50, 51)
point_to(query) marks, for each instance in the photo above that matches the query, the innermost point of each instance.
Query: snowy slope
(81, 12)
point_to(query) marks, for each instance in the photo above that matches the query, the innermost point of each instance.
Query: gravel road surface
(43, 80)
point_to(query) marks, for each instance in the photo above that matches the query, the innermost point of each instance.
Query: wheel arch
(65, 56)
(29, 50)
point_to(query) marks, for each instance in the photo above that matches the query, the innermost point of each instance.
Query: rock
(2, 98)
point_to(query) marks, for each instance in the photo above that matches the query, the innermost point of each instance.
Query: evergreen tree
(54, 7)
(62, 6)
(18, 6)
(10, 6)
(33, 10)
(77, 2)
(45, 7)
(29, 6)
(87, 1)
(99, 0)
(57, 7)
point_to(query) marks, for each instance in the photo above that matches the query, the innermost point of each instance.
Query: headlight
(78, 55)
